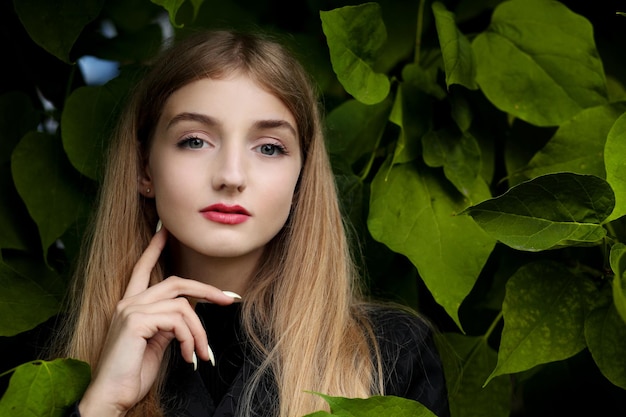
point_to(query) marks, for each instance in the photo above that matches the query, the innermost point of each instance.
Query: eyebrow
(210, 121)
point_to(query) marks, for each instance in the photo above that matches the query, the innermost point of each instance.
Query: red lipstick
(222, 213)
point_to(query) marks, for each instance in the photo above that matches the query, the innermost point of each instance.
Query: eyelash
(279, 148)
(185, 143)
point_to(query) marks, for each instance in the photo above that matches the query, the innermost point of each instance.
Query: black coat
(411, 363)
(412, 368)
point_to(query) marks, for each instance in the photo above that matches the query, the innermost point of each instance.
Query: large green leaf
(459, 155)
(548, 212)
(355, 34)
(45, 389)
(56, 25)
(468, 361)
(615, 163)
(375, 406)
(538, 61)
(15, 225)
(48, 185)
(458, 56)
(578, 145)
(618, 265)
(31, 294)
(605, 333)
(413, 212)
(544, 316)
(354, 128)
(17, 116)
(86, 124)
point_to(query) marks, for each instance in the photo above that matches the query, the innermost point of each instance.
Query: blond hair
(302, 311)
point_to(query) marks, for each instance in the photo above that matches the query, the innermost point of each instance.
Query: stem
(485, 337)
(370, 162)
(611, 230)
(420, 28)
(493, 326)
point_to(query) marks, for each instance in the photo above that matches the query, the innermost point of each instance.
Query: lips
(225, 214)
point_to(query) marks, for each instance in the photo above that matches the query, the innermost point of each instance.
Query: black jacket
(411, 365)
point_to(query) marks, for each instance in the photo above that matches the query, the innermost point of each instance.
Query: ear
(144, 184)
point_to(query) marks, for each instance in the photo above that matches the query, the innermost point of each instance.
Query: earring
(148, 190)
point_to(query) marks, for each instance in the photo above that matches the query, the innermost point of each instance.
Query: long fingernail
(232, 294)
(211, 356)
(194, 358)
(158, 226)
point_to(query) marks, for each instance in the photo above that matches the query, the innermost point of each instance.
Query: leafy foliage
(479, 151)
(43, 388)
(372, 407)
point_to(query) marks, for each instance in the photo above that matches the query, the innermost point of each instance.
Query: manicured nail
(211, 356)
(232, 295)
(195, 361)
(158, 226)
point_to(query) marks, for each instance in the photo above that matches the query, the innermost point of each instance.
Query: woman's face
(223, 166)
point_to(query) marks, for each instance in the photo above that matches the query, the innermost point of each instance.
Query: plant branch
(420, 28)
(370, 162)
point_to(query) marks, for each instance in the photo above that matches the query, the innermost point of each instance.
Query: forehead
(234, 95)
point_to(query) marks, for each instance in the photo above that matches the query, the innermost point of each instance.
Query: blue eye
(192, 143)
(271, 149)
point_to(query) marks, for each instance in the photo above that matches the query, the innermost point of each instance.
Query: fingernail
(211, 356)
(195, 361)
(158, 226)
(232, 294)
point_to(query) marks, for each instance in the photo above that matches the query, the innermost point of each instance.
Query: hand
(145, 321)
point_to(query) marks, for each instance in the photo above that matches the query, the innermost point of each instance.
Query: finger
(173, 317)
(174, 286)
(140, 277)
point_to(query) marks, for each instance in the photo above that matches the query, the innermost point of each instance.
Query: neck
(225, 273)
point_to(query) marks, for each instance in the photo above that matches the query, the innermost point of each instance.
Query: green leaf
(351, 192)
(548, 212)
(31, 294)
(56, 25)
(17, 116)
(86, 124)
(14, 221)
(615, 163)
(578, 145)
(423, 80)
(467, 362)
(544, 314)
(461, 111)
(354, 128)
(45, 389)
(47, 184)
(413, 212)
(538, 61)
(618, 265)
(355, 34)
(458, 56)
(172, 7)
(459, 155)
(411, 112)
(605, 333)
(375, 406)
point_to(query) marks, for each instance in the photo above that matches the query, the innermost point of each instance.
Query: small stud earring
(148, 190)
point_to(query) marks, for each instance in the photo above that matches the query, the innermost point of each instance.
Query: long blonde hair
(302, 311)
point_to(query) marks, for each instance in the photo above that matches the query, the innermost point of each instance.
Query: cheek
(174, 185)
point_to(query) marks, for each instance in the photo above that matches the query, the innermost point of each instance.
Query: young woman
(246, 298)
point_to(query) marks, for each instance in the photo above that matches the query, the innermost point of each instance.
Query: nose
(230, 169)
